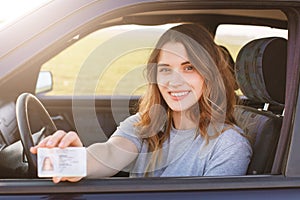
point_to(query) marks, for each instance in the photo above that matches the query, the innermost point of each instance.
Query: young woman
(185, 124)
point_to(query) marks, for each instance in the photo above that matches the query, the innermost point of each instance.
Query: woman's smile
(179, 95)
(178, 80)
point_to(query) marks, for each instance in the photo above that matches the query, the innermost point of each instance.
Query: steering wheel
(26, 106)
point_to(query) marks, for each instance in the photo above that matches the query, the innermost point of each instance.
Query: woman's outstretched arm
(103, 159)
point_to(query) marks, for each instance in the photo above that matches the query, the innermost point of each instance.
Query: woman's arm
(107, 159)
(103, 159)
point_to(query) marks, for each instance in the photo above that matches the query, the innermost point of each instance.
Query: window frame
(288, 180)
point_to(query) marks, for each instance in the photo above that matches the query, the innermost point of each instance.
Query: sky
(10, 9)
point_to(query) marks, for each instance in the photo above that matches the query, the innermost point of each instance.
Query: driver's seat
(260, 72)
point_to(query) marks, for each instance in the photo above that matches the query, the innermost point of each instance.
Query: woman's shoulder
(232, 135)
(132, 119)
(128, 130)
(230, 141)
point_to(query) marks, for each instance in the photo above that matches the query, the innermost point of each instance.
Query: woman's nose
(175, 79)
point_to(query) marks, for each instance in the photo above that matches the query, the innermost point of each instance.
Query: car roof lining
(263, 13)
(210, 18)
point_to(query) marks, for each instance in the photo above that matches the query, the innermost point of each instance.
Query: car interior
(259, 68)
(255, 76)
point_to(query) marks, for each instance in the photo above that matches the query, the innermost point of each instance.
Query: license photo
(68, 162)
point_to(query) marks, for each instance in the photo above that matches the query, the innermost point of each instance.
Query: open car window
(123, 72)
(234, 37)
(110, 61)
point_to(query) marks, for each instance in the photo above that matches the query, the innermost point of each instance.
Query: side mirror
(44, 82)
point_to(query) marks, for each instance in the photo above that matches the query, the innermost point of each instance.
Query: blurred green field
(70, 78)
(124, 76)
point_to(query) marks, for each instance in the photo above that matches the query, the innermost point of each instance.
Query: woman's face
(47, 164)
(178, 80)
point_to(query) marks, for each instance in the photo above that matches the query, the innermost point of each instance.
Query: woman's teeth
(178, 94)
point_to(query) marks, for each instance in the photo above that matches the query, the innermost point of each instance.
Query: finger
(55, 139)
(74, 179)
(33, 149)
(59, 138)
(70, 179)
(56, 179)
(70, 139)
(41, 144)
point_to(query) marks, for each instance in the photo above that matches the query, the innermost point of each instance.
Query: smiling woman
(185, 116)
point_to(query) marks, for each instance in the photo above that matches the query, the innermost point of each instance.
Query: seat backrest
(260, 73)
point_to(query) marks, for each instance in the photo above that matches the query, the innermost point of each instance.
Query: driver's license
(57, 162)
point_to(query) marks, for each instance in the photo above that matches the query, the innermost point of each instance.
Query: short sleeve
(128, 130)
(230, 156)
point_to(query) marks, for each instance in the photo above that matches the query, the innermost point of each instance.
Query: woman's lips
(178, 95)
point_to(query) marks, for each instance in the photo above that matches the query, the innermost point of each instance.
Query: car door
(85, 110)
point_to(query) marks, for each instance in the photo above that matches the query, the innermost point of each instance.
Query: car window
(234, 37)
(109, 61)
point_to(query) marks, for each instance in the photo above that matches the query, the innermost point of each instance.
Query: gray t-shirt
(186, 155)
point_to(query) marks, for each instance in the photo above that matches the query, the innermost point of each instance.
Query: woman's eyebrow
(162, 65)
(166, 65)
(185, 63)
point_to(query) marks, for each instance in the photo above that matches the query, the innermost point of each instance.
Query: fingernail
(49, 143)
(62, 144)
(56, 179)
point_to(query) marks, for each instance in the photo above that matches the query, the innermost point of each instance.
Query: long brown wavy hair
(215, 106)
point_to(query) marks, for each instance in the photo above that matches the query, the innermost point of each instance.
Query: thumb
(56, 179)
(33, 150)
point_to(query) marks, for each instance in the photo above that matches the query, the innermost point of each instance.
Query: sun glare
(11, 9)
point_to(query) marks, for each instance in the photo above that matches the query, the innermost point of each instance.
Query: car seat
(261, 75)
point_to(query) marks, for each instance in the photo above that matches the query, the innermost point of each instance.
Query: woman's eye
(163, 69)
(189, 68)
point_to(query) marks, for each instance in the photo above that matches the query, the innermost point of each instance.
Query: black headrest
(261, 70)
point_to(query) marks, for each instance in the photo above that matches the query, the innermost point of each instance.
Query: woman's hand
(60, 139)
